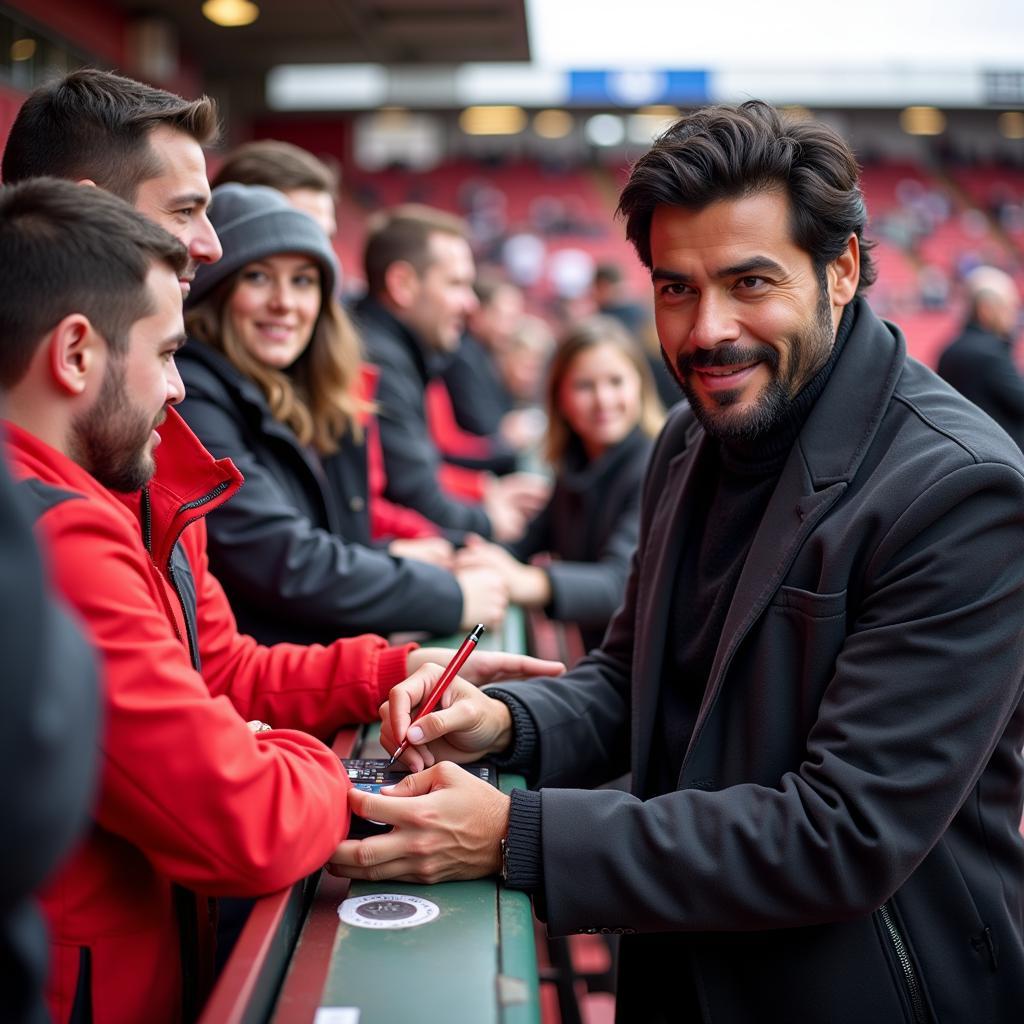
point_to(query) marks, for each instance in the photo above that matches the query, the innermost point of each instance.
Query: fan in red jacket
(192, 802)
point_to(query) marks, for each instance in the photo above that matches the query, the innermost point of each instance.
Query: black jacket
(49, 745)
(979, 364)
(411, 458)
(291, 549)
(855, 768)
(590, 524)
(479, 397)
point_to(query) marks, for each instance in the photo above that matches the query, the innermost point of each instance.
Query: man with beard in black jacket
(816, 676)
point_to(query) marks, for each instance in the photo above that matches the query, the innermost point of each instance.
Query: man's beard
(809, 350)
(112, 438)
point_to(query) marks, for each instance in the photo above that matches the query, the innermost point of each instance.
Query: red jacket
(457, 481)
(191, 802)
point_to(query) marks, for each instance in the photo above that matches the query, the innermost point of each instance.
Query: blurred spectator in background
(306, 181)
(603, 412)
(49, 732)
(610, 293)
(933, 287)
(523, 362)
(524, 254)
(979, 363)
(570, 271)
(419, 274)
(479, 398)
(481, 403)
(611, 298)
(276, 387)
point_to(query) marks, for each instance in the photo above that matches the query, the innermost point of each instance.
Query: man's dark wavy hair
(729, 152)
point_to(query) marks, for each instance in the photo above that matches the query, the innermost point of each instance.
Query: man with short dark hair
(193, 802)
(979, 362)
(419, 276)
(816, 676)
(141, 143)
(306, 181)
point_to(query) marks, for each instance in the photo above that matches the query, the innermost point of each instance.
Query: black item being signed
(370, 774)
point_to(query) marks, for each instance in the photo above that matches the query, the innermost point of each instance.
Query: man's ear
(87, 181)
(401, 283)
(844, 274)
(76, 354)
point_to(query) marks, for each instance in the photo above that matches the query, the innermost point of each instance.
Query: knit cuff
(391, 668)
(523, 846)
(519, 757)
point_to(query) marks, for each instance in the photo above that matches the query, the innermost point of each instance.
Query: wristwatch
(503, 847)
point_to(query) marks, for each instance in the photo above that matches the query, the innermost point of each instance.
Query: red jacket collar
(187, 484)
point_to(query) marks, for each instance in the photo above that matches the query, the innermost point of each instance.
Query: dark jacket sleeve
(49, 736)
(412, 460)
(266, 548)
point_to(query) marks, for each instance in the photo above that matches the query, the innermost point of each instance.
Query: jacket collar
(187, 484)
(242, 390)
(223, 369)
(429, 362)
(844, 420)
(581, 475)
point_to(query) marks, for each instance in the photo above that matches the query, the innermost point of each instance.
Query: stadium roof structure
(389, 32)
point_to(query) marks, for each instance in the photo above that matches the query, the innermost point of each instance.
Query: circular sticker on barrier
(386, 910)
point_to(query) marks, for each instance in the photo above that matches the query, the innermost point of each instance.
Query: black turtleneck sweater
(736, 481)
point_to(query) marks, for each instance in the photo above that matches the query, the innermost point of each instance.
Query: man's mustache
(727, 355)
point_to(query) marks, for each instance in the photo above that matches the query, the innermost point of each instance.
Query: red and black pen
(458, 660)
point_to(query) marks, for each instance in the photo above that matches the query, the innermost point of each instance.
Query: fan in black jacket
(979, 363)
(272, 383)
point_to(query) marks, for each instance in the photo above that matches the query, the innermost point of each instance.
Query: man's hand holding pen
(467, 726)
(447, 823)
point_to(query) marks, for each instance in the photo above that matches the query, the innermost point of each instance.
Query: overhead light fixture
(231, 13)
(1011, 124)
(552, 124)
(923, 121)
(23, 49)
(496, 120)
